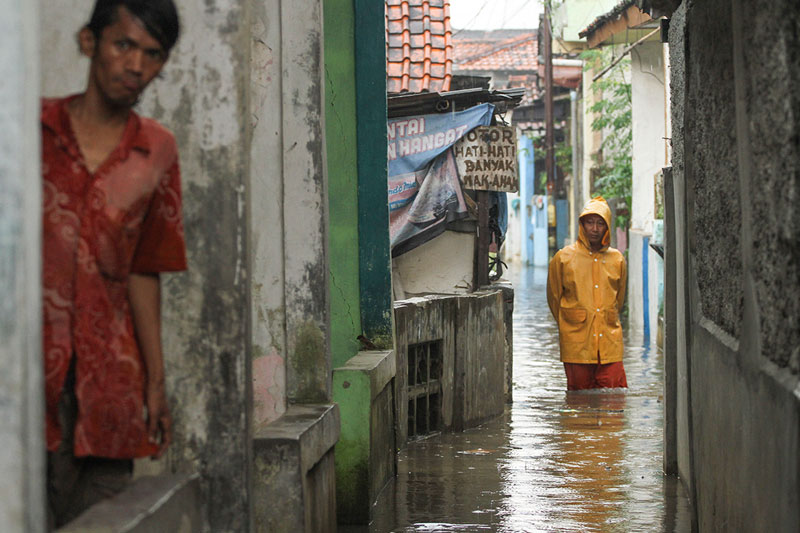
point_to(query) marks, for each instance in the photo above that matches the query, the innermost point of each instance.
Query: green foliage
(563, 153)
(613, 164)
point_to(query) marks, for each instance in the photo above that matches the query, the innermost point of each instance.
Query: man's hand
(159, 421)
(144, 294)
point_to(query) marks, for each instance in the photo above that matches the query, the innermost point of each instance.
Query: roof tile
(419, 50)
(518, 53)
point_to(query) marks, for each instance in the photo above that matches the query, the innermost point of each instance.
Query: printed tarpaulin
(425, 193)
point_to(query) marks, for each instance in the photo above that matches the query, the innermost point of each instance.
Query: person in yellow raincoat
(585, 291)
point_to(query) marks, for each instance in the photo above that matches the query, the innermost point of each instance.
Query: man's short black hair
(159, 17)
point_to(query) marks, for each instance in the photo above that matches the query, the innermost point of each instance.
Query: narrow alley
(553, 462)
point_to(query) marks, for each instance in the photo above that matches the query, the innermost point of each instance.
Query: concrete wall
(735, 271)
(480, 384)
(22, 466)
(293, 466)
(204, 100)
(472, 330)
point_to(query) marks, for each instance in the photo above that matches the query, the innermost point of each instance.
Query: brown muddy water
(554, 461)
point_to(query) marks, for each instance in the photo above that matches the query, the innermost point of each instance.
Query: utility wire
(486, 3)
(517, 12)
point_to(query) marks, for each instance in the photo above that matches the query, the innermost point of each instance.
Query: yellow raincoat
(585, 292)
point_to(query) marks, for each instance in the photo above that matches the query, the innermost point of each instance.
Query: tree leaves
(612, 116)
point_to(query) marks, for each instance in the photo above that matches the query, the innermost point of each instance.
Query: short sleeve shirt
(98, 228)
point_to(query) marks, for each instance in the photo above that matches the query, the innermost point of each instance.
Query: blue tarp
(424, 188)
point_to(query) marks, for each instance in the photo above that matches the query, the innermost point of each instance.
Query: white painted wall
(440, 266)
(649, 129)
(22, 492)
(650, 155)
(590, 139)
(512, 245)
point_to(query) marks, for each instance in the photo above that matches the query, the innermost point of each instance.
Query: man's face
(595, 228)
(125, 59)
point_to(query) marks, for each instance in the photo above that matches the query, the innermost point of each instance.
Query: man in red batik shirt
(112, 222)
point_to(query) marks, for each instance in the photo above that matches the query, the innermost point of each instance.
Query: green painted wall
(341, 139)
(373, 213)
(351, 390)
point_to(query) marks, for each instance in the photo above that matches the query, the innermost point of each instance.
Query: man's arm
(554, 285)
(623, 283)
(144, 294)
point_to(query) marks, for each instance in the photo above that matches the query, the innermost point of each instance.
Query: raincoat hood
(596, 206)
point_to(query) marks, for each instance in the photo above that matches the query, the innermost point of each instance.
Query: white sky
(494, 14)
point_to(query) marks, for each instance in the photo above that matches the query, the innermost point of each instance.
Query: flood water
(554, 461)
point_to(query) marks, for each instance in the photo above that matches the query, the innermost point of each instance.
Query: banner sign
(415, 141)
(487, 159)
(424, 190)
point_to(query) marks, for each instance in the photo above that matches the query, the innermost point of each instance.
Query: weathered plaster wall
(21, 388)
(479, 359)
(735, 147)
(64, 69)
(294, 468)
(267, 217)
(204, 100)
(340, 107)
(288, 208)
(305, 201)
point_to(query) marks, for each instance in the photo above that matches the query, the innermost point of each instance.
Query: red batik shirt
(97, 229)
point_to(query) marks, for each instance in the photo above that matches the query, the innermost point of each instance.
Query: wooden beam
(631, 18)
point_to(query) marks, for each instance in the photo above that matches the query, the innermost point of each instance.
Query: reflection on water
(556, 461)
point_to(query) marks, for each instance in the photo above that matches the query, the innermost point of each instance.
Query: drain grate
(424, 388)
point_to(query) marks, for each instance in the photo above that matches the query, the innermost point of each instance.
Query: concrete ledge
(380, 366)
(293, 471)
(151, 504)
(314, 428)
(365, 454)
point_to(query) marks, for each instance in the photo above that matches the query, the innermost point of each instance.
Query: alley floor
(554, 461)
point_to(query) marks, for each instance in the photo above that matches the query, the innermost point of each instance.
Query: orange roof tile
(484, 53)
(419, 49)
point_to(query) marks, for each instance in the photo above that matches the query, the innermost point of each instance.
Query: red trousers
(595, 376)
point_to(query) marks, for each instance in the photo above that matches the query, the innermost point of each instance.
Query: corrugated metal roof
(419, 48)
(403, 105)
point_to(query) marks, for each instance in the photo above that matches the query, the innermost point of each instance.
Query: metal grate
(424, 388)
